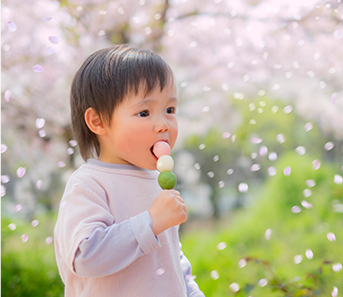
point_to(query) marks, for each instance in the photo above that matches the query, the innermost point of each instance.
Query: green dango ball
(167, 180)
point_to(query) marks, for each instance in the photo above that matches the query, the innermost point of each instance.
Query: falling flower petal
(263, 282)
(334, 95)
(197, 166)
(34, 223)
(310, 183)
(12, 27)
(309, 254)
(268, 233)
(24, 238)
(73, 143)
(38, 68)
(331, 236)
(221, 246)
(272, 171)
(329, 146)
(307, 193)
(296, 209)
(221, 184)
(61, 164)
(301, 150)
(256, 140)
(229, 171)
(40, 123)
(8, 94)
(234, 287)
(5, 179)
(12, 226)
(280, 138)
(287, 171)
(53, 39)
(308, 126)
(48, 240)
(272, 156)
(242, 263)
(255, 167)
(70, 151)
(263, 151)
(337, 33)
(210, 174)
(337, 267)
(297, 259)
(334, 292)
(316, 164)
(214, 274)
(287, 109)
(338, 179)
(3, 190)
(226, 135)
(50, 50)
(243, 187)
(18, 207)
(21, 172)
(3, 148)
(39, 184)
(41, 133)
(189, 277)
(306, 204)
(160, 271)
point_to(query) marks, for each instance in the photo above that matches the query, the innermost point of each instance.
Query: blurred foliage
(243, 237)
(262, 121)
(28, 268)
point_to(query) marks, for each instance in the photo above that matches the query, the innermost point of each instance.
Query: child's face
(137, 124)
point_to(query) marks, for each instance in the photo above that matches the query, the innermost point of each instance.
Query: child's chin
(151, 166)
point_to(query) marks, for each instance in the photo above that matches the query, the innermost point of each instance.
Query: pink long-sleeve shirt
(104, 243)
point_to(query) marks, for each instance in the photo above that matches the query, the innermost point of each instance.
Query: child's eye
(171, 110)
(143, 114)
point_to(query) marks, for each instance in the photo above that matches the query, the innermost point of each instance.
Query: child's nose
(161, 126)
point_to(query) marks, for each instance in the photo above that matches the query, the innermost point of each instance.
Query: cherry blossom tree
(221, 51)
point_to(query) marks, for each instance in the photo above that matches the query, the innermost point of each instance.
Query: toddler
(117, 230)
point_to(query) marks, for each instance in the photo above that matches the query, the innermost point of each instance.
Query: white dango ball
(165, 163)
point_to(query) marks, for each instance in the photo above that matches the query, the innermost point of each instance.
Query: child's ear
(94, 121)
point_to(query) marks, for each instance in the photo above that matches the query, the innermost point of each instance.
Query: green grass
(292, 234)
(28, 268)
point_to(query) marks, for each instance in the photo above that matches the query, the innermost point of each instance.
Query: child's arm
(130, 239)
(93, 245)
(89, 241)
(192, 287)
(109, 250)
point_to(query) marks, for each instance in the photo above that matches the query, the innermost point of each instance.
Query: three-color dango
(165, 164)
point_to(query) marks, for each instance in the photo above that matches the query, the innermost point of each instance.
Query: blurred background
(259, 158)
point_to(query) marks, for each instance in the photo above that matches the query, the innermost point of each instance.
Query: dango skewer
(165, 164)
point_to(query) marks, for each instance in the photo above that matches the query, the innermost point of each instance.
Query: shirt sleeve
(90, 242)
(192, 287)
(121, 243)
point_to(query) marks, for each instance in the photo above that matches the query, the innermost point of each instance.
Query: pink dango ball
(161, 148)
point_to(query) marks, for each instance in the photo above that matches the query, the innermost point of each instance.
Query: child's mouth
(152, 151)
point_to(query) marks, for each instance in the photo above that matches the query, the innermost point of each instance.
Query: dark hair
(103, 81)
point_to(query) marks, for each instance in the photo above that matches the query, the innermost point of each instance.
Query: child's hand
(168, 210)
